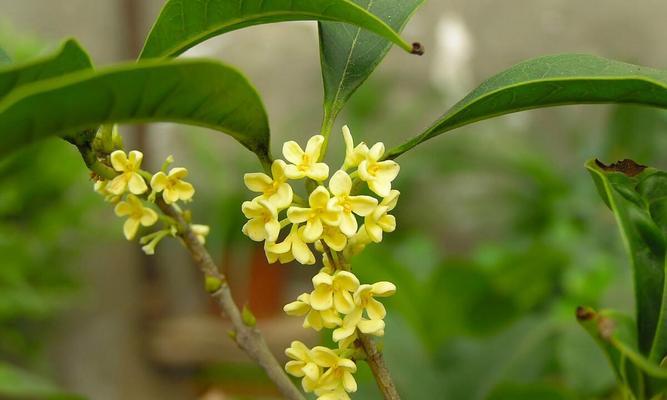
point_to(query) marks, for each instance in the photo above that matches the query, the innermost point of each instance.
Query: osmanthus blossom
(172, 185)
(136, 214)
(274, 189)
(263, 220)
(328, 223)
(129, 178)
(376, 173)
(353, 155)
(315, 319)
(379, 220)
(338, 373)
(303, 365)
(340, 186)
(293, 247)
(334, 291)
(305, 164)
(320, 212)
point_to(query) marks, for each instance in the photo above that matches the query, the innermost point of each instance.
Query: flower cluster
(133, 191)
(338, 219)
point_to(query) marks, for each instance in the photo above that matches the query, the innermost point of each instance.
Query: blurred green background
(501, 234)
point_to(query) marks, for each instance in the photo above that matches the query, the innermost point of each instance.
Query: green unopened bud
(232, 334)
(248, 318)
(212, 284)
(116, 139)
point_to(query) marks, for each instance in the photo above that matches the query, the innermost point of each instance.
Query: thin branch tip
(417, 49)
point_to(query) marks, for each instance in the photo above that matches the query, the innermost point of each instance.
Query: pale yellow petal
(324, 356)
(375, 309)
(293, 172)
(343, 302)
(362, 205)
(296, 308)
(185, 190)
(346, 280)
(384, 289)
(255, 230)
(380, 187)
(122, 209)
(311, 370)
(374, 231)
(314, 146)
(130, 228)
(272, 228)
(313, 320)
(278, 171)
(376, 152)
(136, 184)
(257, 182)
(148, 217)
(117, 185)
(387, 170)
(319, 197)
(293, 152)
(318, 172)
(295, 368)
(134, 159)
(118, 160)
(159, 181)
(335, 239)
(297, 215)
(371, 326)
(391, 200)
(302, 253)
(282, 198)
(321, 298)
(340, 183)
(170, 196)
(349, 384)
(178, 173)
(348, 224)
(313, 230)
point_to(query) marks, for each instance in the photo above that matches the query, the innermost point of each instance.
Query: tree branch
(375, 360)
(248, 338)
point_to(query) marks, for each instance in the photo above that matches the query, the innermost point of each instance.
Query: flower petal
(117, 185)
(321, 298)
(348, 224)
(314, 146)
(318, 172)
(313, 230)
(343, 302)
(346, 280)
(297, 215)
(159, 181)
(371, 326)
(383, 289)
(375, 309)
(136, 184)
(376, 152)
(340, 183)
(293, 152)
(148, 217)
(130, 228)
(257, 182)
(362, 205)
(118, 160)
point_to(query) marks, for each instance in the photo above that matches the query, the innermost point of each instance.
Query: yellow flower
(379, 221)
(276, 190)
(334, 291)
(354, 321)
(101, 188)
(263, 224)
(172, 186)
(353, 155)
(321, 211)
(200, 231)
(357, 243)
(314, 319)
(364, 301)
(137, 215)
(378, 174)
(305, 163)
(341, 186)
(334, 238)
(336, 394)
(303, 365)
(364, 298)
(293, 247)
(339, 371)
(129, 168)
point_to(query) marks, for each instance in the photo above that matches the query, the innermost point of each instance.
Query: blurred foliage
(44, 202)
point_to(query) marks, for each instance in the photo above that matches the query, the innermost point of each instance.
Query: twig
(248, 338)
(375, 360)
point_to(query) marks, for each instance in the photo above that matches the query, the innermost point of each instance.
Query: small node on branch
(417, 49)
(585, 313)
(212, 284)
(248, 317)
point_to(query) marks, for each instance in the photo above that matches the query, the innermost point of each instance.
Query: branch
(248, 338)
(375, 360)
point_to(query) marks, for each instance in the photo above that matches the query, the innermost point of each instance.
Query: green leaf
(644, 240)
(551, 81)
(16, 383)
(349, 54)
(4, 57)
(183, 24)
(69, 58)
(195, 92)
(616, 335)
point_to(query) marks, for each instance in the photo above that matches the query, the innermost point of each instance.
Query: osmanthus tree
(340, 208)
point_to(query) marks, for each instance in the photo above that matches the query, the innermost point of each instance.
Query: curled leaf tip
(627, 167)
(585, 313)
(417, 49)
